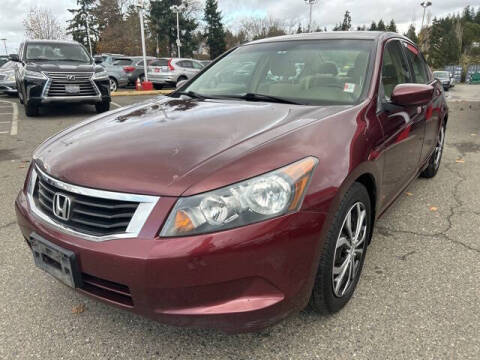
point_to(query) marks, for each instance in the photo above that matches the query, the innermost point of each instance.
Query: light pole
(177, 9)
(140, 6)
(310, 3)
(5, 45)
(88, 33)
(424, 4)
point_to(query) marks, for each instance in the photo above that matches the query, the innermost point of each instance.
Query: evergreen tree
(392, 26)
(444, 43)
(411, 33)
(347, 21)
(163, 23)
(215, 33)
(78, 24)
(381, 26)
(373, 27)
(299, 29)
(107, 12)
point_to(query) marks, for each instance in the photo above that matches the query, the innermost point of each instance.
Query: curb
(140, 93)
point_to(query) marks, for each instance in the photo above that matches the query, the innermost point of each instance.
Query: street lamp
(310, 3)
(177, 9)
(5, 45)
(424, 4)
(141, 6)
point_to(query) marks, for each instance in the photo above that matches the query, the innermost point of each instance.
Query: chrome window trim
(145, 207)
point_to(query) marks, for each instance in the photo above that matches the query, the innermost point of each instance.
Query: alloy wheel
(113, 85)
(349, 249)
(439, 147)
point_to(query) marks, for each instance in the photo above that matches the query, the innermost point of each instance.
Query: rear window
(160, 62)
(122, 62)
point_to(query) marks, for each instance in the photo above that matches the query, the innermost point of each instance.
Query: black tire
(113, 84)
(181, 78)
(324, 300)
(158, 86)
(102, 106)
(31, 110)
(436, 158)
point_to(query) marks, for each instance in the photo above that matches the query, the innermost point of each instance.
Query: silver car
(7, 78)
(168, 71)
(116, 72)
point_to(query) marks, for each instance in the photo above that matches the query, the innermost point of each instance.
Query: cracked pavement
(418, 298)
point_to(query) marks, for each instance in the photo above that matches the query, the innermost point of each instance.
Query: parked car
(116, 72)
(133, 66)
(444, 78)
(234, 204)
(106, 58)
(7, 79)
(3, 59)
(50, 71)
(167, 71)
(205, 63)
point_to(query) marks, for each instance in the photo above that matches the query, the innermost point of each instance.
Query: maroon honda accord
(246, 194)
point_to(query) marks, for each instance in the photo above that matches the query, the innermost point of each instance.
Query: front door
(403, 127)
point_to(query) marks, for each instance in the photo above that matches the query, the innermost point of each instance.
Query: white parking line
(4, 104)
(115, 104)
(14, 127)
(3, 132)
(5, 113)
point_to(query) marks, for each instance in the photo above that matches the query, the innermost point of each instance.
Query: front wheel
(436, 158)
(102, 106)
(31, 109)
(344, 252)
(113, 85)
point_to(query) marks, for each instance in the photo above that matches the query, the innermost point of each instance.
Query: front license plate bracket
(61, 263)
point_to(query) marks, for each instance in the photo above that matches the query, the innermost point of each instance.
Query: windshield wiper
(263, 97)
(192, 94)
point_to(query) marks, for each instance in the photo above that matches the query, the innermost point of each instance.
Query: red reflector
(128, 69)
(170, 66)
(156, 70)
(413, 49)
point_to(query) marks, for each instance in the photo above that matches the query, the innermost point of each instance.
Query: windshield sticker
(349, 88)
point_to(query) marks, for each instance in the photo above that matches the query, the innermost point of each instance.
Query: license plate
(164, 69)
(156, 70)
(56, 261)
(72, 89)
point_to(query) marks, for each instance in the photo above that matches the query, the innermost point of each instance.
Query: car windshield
(57, 52)
(316, 72)
(441, 74)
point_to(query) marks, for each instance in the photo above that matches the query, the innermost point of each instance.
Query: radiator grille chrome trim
(143, 211)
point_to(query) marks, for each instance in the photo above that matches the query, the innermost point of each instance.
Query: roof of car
(53, 41)
(332, 35)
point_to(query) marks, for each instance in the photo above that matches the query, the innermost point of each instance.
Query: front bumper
(238, 280)
(8, 87)
(158, 78)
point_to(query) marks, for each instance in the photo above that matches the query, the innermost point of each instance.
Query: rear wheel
(102, 106)
(181, 78)
(113, 85)
(31, 109)
(158, 86)
(436, 158)
(344, 252)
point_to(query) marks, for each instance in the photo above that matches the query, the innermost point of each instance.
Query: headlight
(10, 76)
(34, 75)
(101, 75)
(264, 197)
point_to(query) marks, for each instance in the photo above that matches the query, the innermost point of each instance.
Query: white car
(169, 71)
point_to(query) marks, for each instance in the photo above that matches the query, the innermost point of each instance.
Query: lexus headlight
(10, 75)
(101, 75)
(264, 197)
(34, 75)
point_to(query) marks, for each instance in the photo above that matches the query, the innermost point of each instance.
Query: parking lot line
(4, 122)
(14, 127)
(3, 132)
(115, 104)
(9, 113)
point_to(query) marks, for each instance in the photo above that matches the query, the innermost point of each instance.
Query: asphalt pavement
(418, 297)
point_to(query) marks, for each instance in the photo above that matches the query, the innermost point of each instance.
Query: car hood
(60, 66)
(159, 146)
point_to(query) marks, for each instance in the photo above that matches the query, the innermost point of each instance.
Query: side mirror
(181, 83)
(14, 57)
(412, 94)
(98, 60)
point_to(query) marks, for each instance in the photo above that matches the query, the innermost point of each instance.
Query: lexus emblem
(71, 77)
(61, 206)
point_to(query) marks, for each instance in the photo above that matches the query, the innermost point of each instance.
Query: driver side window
(394, 68)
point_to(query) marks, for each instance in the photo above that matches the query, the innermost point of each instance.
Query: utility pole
(5, 45)
(310, 3)
(424, 4)
(177, 9)
(88, 33)
(140, 6)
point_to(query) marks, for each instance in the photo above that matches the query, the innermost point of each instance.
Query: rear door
(403, 127)
(187, 66)
(431, 111)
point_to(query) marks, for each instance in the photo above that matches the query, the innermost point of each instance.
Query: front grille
(60, 81)
(90, 215)
(106, 289)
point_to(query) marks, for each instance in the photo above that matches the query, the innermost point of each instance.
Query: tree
(107, 12)
(78, 24)
(381, 26)
(347, 21)
(41, 23)
(392, 26)
(362, 28)
(215, 33)
(260, 28)
(444, 46)
(373, 26)
(163, 23)
(411, 33)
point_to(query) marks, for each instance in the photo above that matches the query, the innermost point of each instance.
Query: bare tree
(259, 28)
(41, 23)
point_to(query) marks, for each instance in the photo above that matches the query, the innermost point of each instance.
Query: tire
(113, 84)
(181, 78)
(158, 86)
(436, 158)
(331, 292)
(31, 110)
(103, 106)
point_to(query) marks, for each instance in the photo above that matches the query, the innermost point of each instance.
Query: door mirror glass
(412, 94)
(14, 57)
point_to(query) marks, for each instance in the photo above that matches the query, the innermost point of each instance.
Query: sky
(291, 12)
